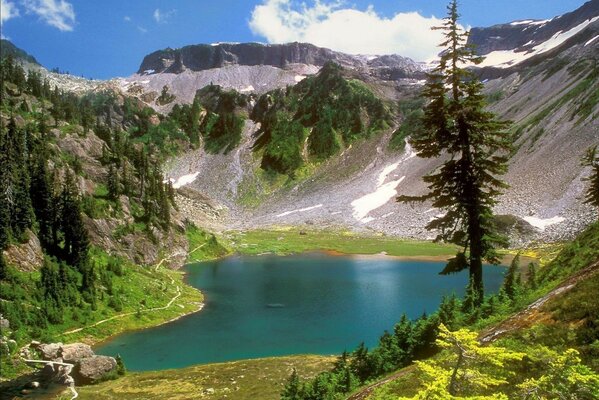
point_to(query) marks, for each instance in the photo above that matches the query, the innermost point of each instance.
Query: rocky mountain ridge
(203, 57)
(520, 44)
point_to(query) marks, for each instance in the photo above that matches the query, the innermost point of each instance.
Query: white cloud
(142, 29)
(127, 18)
(8, 10)
(162, 17)
(57, 13)
(346, 29)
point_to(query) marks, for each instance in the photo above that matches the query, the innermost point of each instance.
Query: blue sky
(108, 38)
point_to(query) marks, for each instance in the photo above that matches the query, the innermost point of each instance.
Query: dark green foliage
(511, 282)
(113, 183)
(165, 97)
(591, 159)
(120, 365)
(283, 152)
(323, 141)
(334, 110)
(17, 211)
(411, 112)
(223, 124)
(409, 341)
(43, 202)
(76, 241)
(532, 276)
(293, 388)
(466, 186)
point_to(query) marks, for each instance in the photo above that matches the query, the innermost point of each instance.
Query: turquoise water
(310, 303)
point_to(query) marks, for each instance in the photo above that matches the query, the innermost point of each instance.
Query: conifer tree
(532, 276)
(113, 183)
(3, 267)
(76, 241)
(43, 201)
(591, 159)
(293, 387)
(466, 185)
(510, 282)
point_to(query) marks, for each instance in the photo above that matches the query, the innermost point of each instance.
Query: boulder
(93, 369)
(50, 352)
(73, 353)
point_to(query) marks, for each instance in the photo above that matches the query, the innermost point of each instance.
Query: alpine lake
(314, 303)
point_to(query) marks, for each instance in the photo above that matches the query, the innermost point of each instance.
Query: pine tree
(3, 267)
(76, 240)
(42, 201)
(510, 282)
(532, 276)
(591, 159)
(293, 387)
(113, 183)
(466, 186)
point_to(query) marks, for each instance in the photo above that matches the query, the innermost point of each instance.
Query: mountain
(8, 48)
(523, 43)
(251, 68)
(203, 57)
(245, 92)
(550, 96)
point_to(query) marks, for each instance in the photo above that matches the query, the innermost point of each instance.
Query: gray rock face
(203, 57)
(93, 369)
(28, 256)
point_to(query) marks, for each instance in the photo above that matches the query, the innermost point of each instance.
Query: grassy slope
(570, 320)
(145, 293)
(240, 380)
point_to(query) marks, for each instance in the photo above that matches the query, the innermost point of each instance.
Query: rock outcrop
(28, 255)
(74, 363)
(93, 369)
(203, 57)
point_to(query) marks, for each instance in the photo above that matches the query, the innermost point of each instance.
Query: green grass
(294, 240)
(203, 245)
(240, 380)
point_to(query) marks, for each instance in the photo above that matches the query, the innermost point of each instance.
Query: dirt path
(118, 316)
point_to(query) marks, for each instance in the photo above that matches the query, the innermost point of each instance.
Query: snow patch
(508, 58)
(384, 191)
(299, 78)
(365, 204)
(250, 88)
(524, 22)
(149, 71)
(184, 180)
(543, 223)
(591, 41)
(298, 210)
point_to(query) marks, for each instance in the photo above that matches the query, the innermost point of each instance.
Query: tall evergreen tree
(466, 186)
(76, 240)
(43, 201)
(591, 159)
